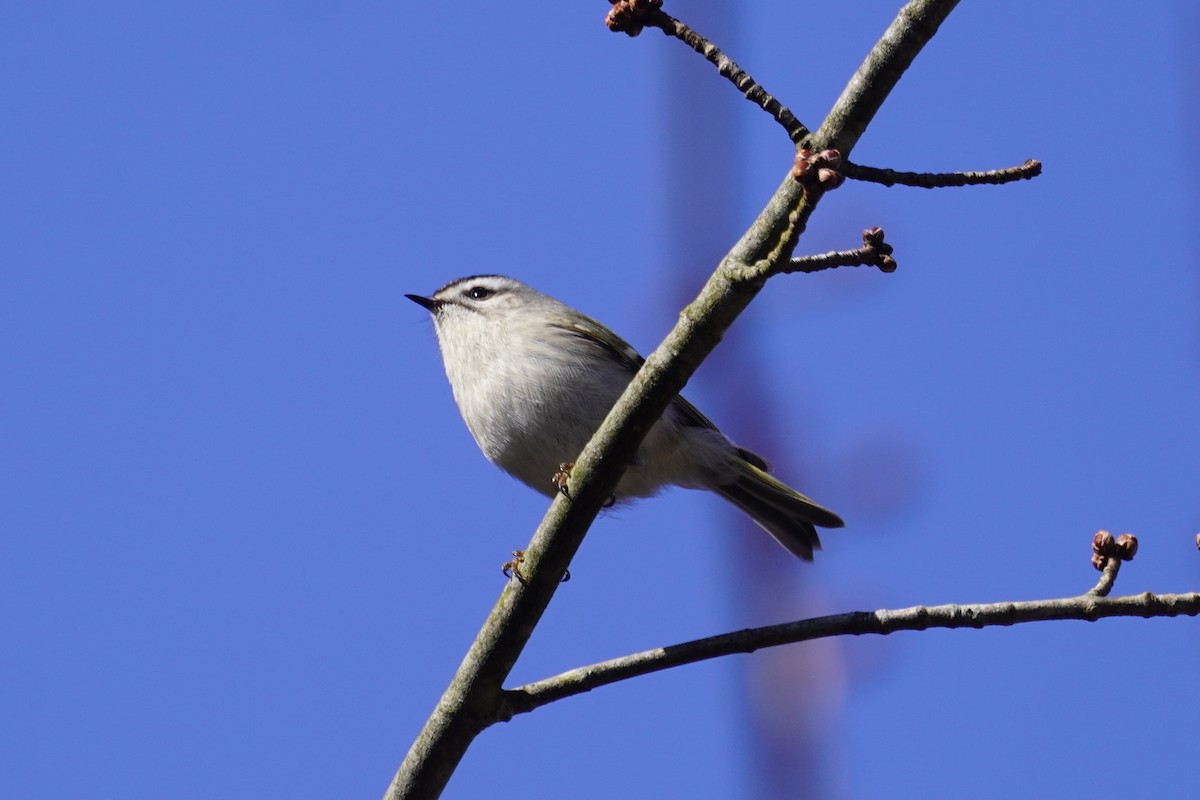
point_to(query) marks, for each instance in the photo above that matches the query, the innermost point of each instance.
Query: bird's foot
(561, 478)
(512, 569)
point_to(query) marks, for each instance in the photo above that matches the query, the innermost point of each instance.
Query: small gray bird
(534, 379)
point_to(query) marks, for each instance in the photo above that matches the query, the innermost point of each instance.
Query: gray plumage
(534, 378)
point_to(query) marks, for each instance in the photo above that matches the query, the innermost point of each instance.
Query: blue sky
(246, 538)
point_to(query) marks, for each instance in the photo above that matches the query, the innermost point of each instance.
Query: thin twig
(1107, 555)
(875, 252)
(1086, 607)
(630, 17)
(936, 180)
(1108, 576)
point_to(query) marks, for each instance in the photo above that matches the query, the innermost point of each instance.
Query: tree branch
(875, 252)
(1107, 555)
(630, 16)
(474, 698)
(772, 236)
(937, 180)
(1089, 607)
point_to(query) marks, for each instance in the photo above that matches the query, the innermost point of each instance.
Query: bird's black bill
(427, 303)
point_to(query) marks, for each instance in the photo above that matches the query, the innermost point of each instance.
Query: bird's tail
(779, 509)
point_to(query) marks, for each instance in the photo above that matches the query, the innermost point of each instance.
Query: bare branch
(1086, 607)
(630, 16)
(936, 180)
(1107, 555)
(772, 237)
(875, 252)
(475, 696)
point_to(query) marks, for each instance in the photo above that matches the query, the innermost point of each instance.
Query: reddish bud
(1104, 547)
(1126, 546)
(628, 16)
(831, 157)
(829, 178)
(802, 164)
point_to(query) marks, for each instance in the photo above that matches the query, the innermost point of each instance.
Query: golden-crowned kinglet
(534, 378)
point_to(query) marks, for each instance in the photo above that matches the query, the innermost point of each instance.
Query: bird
(533, 379)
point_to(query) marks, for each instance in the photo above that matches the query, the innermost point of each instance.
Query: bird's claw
(561, 478)
(512, 569)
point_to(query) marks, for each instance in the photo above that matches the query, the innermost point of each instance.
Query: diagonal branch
(474, 698)
(1088, 607)
(630, 17)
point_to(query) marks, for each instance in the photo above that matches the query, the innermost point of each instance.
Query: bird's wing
(595, 333)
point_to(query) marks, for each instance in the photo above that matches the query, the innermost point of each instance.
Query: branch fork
(632, 16)
(476, 698)
(1108, 553)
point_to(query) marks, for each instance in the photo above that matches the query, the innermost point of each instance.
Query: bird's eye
(479, 293)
